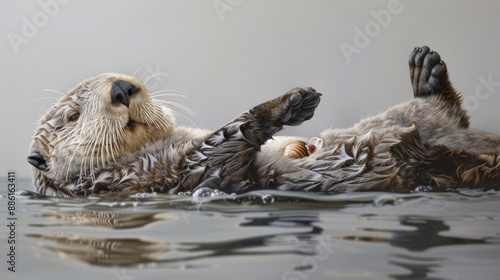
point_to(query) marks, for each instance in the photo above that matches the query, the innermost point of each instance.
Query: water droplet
(203, 192)
(267, 198)
(143, 195)
(424, 189)
(385, 199)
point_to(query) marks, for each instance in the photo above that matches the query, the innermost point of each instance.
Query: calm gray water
(260, 235)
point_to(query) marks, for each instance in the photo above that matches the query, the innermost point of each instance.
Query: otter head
(98, 121)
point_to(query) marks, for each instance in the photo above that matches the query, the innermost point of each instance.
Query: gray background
(230, 61)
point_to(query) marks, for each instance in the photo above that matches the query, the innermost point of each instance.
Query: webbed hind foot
(429, 77)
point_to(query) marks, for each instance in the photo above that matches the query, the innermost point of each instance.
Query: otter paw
(299, 105)
(428, 72)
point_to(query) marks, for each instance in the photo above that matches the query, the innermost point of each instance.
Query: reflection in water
(424, 236)
(373, 240)
(104, 251)
(287, 219)
(103, 219)
(121, 251)
(418, 269)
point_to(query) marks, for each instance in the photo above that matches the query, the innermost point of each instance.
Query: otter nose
(121, 92)
(37, 160)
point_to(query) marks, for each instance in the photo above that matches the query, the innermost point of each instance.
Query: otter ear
(37, 160)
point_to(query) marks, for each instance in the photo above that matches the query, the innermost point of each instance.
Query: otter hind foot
(429, 77)
(428, 73)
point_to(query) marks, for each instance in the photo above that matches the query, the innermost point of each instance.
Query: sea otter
(109, 135)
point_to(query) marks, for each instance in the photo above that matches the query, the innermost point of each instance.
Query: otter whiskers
(152, 76)
(55, 91)
(177, 114)
(177, 93)
(99, 149)
(136, 71)
(77, 148)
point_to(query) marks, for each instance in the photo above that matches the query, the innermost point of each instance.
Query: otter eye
(74, 117)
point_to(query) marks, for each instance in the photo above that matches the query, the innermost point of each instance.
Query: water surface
(259, 235)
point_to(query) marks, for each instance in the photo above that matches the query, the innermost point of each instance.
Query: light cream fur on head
(86, 130)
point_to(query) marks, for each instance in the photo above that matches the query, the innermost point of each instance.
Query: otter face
(100, 120)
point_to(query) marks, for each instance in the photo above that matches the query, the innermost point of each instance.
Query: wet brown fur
(423, 142)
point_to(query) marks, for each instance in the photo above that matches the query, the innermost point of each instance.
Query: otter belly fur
(109, 135)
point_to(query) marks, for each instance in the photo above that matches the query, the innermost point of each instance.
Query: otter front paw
(299, 105)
